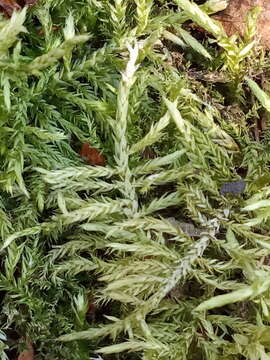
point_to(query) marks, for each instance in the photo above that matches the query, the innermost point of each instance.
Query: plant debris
(92, 156)
(27, 354)
(233, 19)
(187, 228)
(236, 187)
(9, 6)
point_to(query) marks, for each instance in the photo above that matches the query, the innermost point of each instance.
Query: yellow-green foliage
(174, 268)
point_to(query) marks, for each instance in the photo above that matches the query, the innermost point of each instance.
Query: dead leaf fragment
(234, 16)
(149, 153)
(187, 228)
(91, 155)
(27, 354)
(30, 2)
(235, 188)
(41, 32)
(9, 6)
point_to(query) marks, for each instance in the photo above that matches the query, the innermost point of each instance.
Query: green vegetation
(143, 258)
